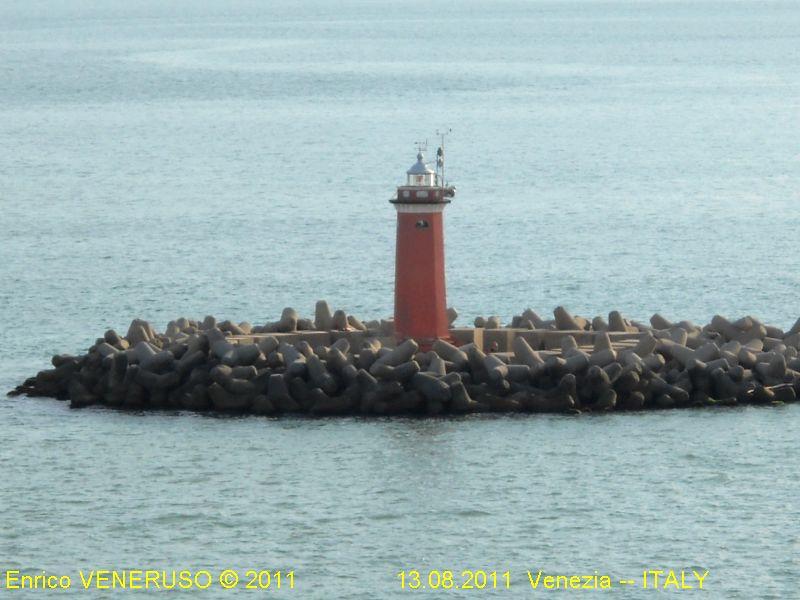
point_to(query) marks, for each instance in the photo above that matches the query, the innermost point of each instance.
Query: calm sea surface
(232, 158)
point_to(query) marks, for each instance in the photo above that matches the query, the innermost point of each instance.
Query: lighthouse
(420, 304)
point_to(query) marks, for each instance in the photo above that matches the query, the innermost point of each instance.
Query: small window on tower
(422, 224)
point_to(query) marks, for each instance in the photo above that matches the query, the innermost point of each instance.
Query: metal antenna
(421, 146)
(440, 152)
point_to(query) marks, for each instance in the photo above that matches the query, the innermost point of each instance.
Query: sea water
(231, 158)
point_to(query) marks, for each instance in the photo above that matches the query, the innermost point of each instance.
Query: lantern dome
(420, 174)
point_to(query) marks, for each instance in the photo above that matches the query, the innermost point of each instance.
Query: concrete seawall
(335, 364)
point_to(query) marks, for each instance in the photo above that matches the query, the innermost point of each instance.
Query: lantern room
(420, 174)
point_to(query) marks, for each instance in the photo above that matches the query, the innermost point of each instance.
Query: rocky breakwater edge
(276, 368)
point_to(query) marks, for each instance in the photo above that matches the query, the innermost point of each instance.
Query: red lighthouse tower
(420, 305)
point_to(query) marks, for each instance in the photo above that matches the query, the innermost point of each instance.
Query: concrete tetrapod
(200, 365)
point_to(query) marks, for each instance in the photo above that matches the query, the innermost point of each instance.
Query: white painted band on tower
(421, 207)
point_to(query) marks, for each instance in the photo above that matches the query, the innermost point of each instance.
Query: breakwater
(335, 364)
